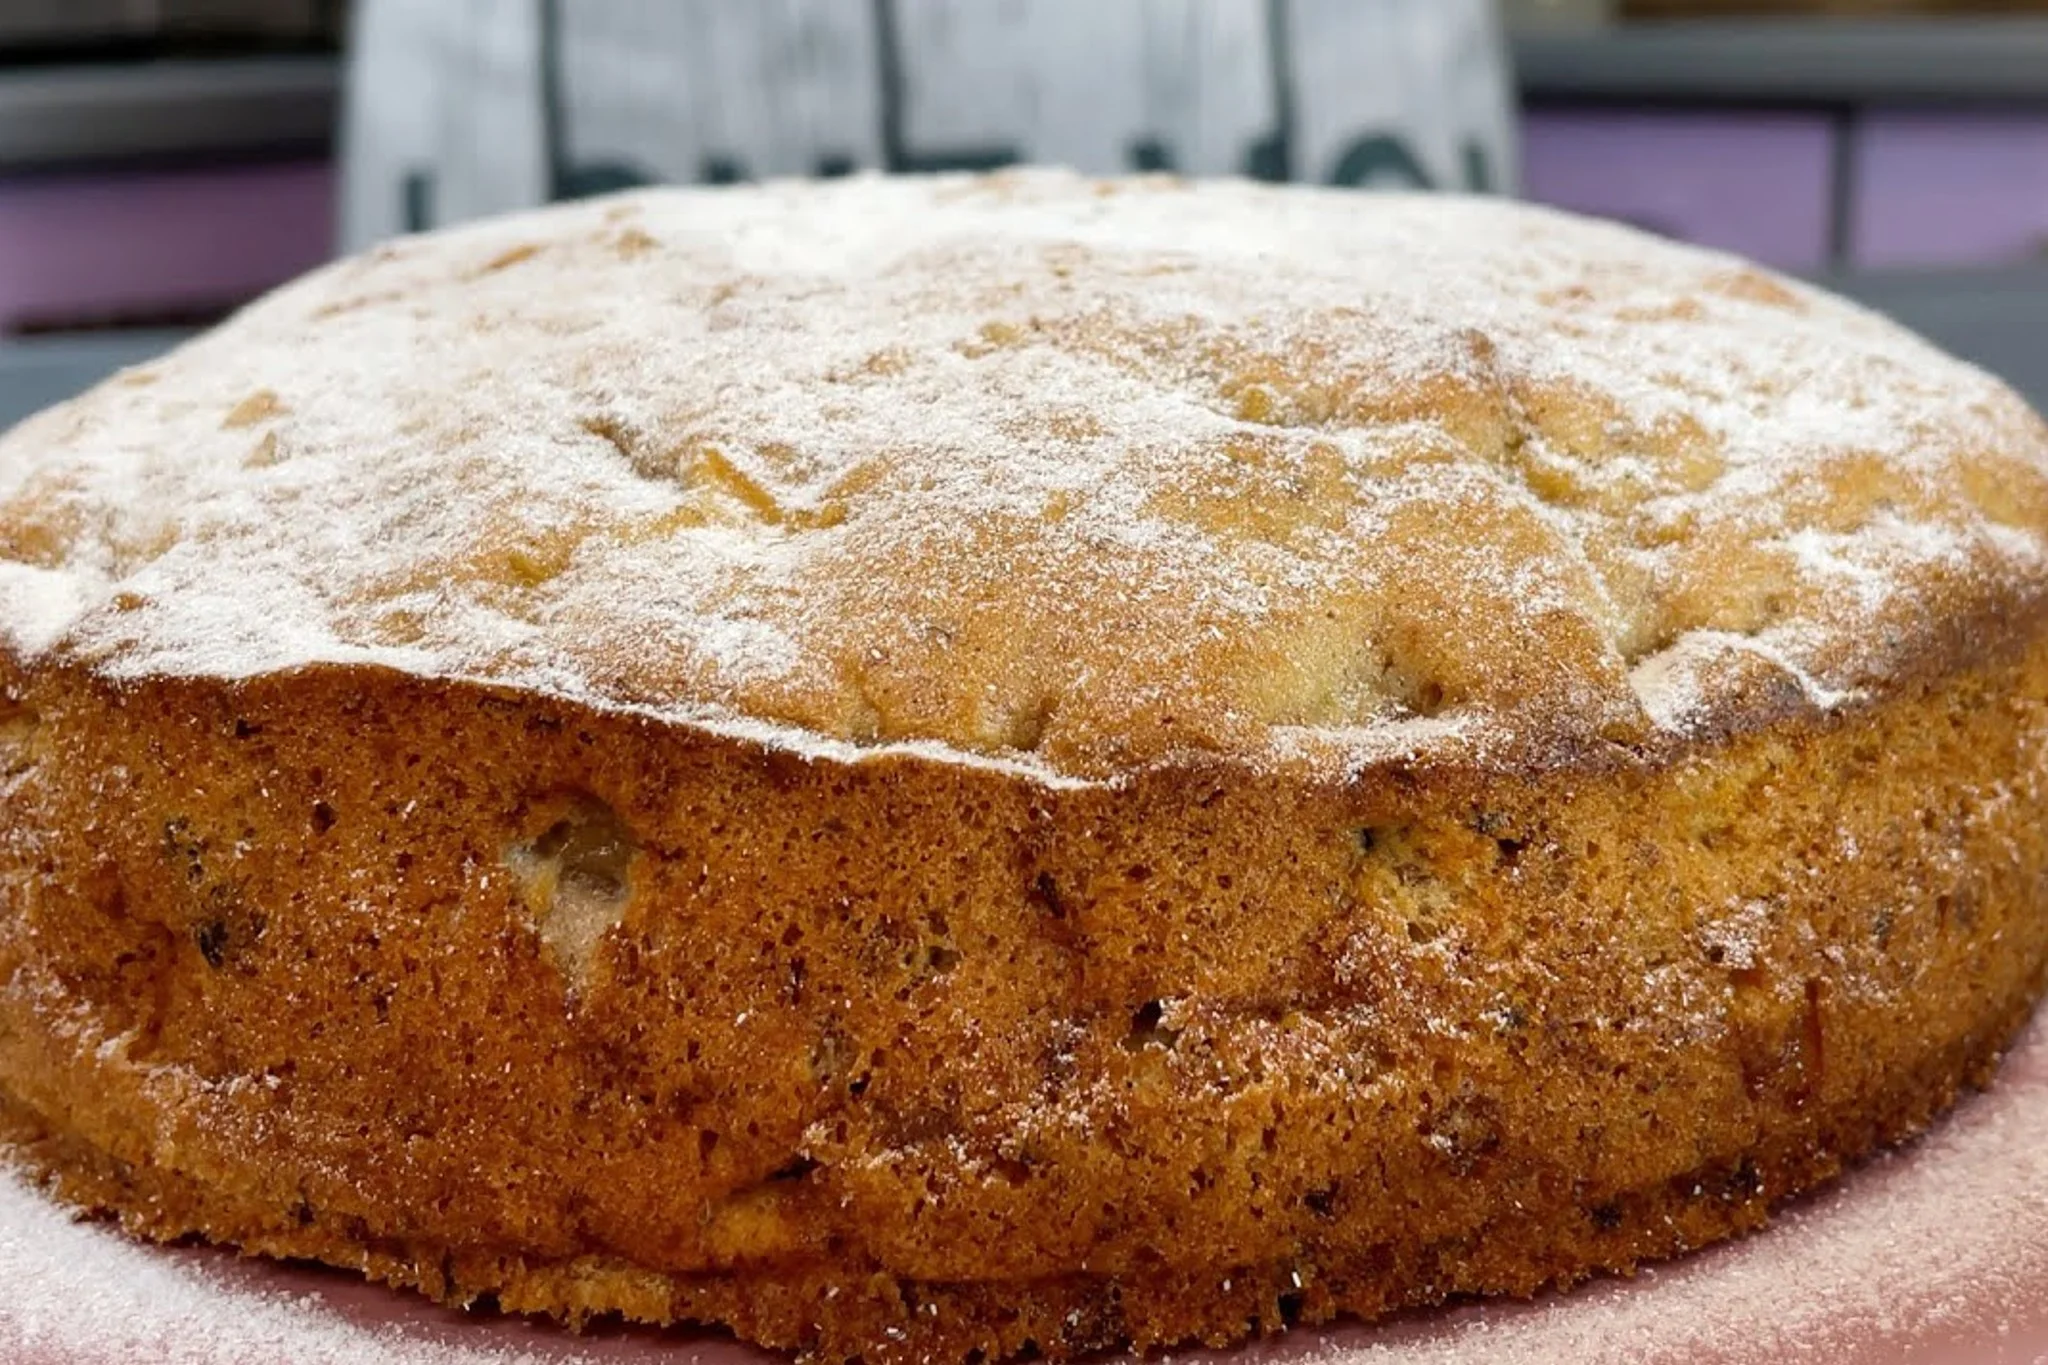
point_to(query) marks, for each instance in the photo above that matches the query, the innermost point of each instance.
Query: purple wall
(1945, 188)
(126, 243)
(1756, 183)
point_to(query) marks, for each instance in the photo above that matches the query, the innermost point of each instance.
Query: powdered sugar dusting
(1939, 1252)
(81, 1294)
(1029, 468)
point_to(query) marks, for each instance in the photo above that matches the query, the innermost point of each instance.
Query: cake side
(491, 993)
(1074, 475)
(920, 767)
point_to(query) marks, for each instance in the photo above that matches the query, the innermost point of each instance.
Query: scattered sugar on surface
(835, 458)
(81, 1294)
(1936, 1253)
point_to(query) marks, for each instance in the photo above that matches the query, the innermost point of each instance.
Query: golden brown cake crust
(1211, 780)
(912, 1059)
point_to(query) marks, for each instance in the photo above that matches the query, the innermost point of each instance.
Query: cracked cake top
(1073, 475)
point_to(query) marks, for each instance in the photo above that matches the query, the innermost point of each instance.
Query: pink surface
(128, 243)
(1936, 1254)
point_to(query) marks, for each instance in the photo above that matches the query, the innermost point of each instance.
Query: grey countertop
(37, 372)
(1996, 318)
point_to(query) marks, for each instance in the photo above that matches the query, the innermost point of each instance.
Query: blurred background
(162, 161)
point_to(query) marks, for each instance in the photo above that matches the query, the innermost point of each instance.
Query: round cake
(925, 768)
